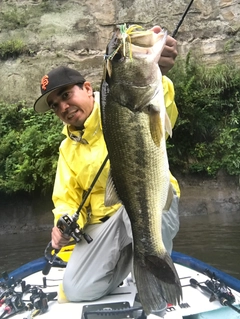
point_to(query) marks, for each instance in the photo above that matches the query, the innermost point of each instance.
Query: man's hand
(58, 239)
(169, 53)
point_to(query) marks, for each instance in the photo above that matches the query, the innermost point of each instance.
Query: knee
(89, 292)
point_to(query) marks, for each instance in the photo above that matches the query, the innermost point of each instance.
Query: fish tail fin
(157, 282)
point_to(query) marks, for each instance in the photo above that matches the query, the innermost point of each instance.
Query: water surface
(213, 239)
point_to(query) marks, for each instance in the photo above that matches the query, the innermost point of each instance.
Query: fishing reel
(11, 300)
(12, 304)
(68, 226)
(219, 289)
(39, 300)
(15, 302)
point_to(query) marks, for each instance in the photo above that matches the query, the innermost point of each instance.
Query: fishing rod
(217, 290)
(68, 226)
(181, 20)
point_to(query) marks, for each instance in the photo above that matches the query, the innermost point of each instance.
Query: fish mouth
(132, 41)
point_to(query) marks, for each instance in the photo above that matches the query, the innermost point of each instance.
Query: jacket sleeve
(67, 194)
(169, 95)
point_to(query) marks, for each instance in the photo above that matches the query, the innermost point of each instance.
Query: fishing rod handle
(225, 302)
(50, 257)
(49, 249)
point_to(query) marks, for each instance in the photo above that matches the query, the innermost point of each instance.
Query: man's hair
(80, 85)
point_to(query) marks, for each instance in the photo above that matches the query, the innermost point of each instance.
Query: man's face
(72, 104)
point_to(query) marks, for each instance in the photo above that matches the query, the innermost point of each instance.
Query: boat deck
(194, 305)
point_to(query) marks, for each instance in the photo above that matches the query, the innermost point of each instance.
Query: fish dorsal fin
(169, 198)
(111, 196)
(156, 128)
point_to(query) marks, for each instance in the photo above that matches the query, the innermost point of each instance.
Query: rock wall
(76, 32)
(199, 196)
(23, 213)
(204, 196)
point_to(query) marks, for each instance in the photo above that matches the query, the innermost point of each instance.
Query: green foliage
(12, 48)
(205, 138)
(13, 19)
(206, 135)
(28, 149)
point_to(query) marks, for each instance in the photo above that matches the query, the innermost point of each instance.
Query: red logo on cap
(44, 82)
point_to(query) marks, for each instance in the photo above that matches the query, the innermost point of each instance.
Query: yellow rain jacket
(81, 155)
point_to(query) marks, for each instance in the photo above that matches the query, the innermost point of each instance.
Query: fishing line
(181, 20)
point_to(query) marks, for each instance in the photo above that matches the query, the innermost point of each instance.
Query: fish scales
(133, 119)
(140, 163)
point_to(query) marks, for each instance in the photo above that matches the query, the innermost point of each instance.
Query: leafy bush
(206, 135)
(12, 48)
(15, 18)
(28, 149)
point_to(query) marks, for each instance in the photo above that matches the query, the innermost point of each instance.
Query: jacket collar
(92, 128)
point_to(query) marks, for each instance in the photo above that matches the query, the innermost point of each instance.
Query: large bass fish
(135, 121)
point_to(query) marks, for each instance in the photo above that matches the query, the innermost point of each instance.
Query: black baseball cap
(56, 78)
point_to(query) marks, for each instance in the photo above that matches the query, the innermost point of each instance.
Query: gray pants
(96, 269)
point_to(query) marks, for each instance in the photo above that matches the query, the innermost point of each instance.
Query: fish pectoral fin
(156, 128)
(169, 198)
(111, 196)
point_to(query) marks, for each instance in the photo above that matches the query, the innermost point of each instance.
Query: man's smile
(71, 114)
